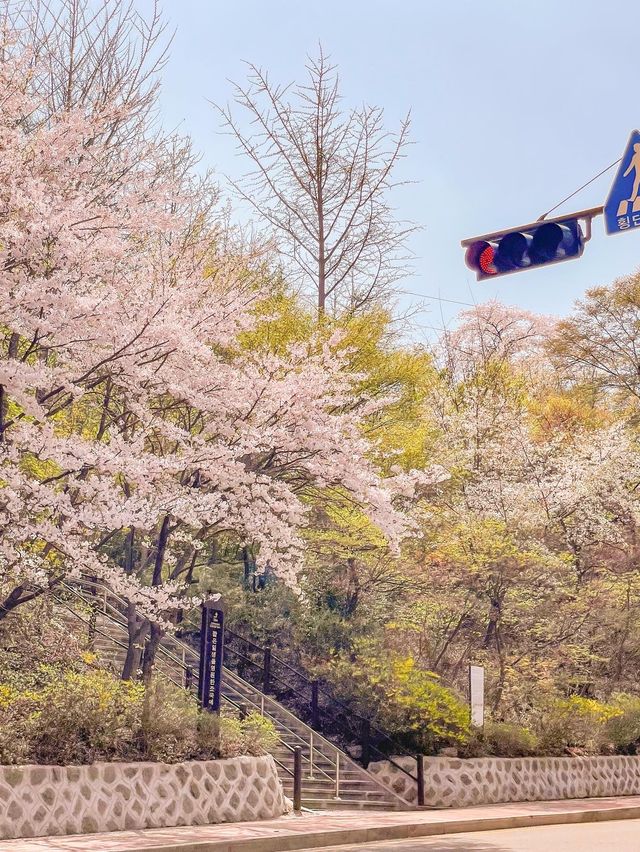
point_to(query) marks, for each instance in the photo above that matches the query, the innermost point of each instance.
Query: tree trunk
(492, 625)
(150, 651)
(353, 587)
(246, 559)
(322, 272)
(4, 401)
(151, 646)
(137, 630)
(16, 598)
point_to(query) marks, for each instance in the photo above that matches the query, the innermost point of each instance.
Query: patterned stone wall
(453, 783)
(42, 800)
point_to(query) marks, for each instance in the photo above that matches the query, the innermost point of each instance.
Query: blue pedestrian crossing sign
(622, 209)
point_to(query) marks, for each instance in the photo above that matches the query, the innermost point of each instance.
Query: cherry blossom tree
(127, 405)
(532, 521)
(493, 332)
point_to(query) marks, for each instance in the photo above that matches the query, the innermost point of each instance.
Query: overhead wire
(438, 298)
(584, 185)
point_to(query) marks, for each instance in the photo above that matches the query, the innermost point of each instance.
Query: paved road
(614, 836)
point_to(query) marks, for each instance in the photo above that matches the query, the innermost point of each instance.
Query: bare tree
(91, 54)
(321, 177)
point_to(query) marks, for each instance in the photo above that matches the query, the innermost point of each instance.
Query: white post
(337, 796)
(311, 755)
(261, 704)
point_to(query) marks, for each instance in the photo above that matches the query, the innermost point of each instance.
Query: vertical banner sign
(211, 656)
(476, 695)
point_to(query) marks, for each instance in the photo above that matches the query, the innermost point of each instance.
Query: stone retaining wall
(454, 783)
(42, 800)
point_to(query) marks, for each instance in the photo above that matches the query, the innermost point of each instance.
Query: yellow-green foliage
(380, 368)
(503, 739)
(282, 320)
(341, 530)
(251, 735)
(405, 699)
(404, 376)
(81, 717)
(169, 722)
(622, 731)
(573, 723)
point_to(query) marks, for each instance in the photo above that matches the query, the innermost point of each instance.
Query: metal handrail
(262, 649)
(316, 736)
(300, 739)
(333, 700)
(166, 653)
(167, 638)
(185, 648)
(97, 630)
(244, 639)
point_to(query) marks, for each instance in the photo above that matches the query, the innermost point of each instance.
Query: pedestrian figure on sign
(634, 165)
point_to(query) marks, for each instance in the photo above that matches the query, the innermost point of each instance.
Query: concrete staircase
(330, 778)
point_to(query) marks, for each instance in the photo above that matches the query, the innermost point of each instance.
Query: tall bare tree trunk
(320, 176)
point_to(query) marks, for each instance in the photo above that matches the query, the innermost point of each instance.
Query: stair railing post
(188, 677)
(365, 742)
(337, 795)
(266, 670)
(297, 778)
(311, 755)
(315, 710)
(420, 775)
(93, 616)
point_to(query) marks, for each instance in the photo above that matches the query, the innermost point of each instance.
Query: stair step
(346, 804)
(358, 789)
(316, 792)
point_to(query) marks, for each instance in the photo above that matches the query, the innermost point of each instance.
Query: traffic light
(538, 244)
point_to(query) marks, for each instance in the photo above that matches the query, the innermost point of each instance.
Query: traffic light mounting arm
(587, 215)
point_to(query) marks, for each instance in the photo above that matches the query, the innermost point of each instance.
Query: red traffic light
(529, 246)
(480, 256)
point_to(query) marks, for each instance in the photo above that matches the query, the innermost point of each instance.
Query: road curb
(283, 841)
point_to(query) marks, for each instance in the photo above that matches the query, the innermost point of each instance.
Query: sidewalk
(314, 831)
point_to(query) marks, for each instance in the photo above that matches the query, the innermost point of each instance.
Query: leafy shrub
(36, 645)
(573, 724)
(169, 723)
(230, 738)
(503, 739)
(622, 731)
(15, 711)
(259, 734)
(500, 739)
(227, 735)
(405, 699)
(80, 717)
(208, 736)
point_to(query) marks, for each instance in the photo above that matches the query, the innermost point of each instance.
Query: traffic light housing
(538, 244)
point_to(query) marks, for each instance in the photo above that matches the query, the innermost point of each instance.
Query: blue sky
(515, 104)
